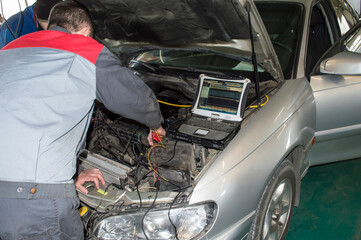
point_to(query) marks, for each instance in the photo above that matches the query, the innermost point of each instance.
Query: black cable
(140, 198)
(263, 96)
(163, 163)
(20, 20)
(6, 22)
(92, 219)
(170, 208)
(137, 184)
(170, 220)
(129, 141)
(101, 125)
(133, 149)
(171, 182)
(175, 121)
(115, 208)
(114, 130)
(155, 198)
(108, 147)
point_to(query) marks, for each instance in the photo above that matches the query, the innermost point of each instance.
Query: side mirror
(343, 63)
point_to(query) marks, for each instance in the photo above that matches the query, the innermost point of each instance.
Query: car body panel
(337, 94)
(235, 168)
(343, 63)
(338, 101)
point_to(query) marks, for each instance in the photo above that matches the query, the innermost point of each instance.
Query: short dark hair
(70, 15)
(42, 8)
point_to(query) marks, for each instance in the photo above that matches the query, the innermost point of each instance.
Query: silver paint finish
(239, 175)
(338, 115)
(343, 63)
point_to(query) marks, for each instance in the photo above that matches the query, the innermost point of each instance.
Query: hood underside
(130, 26)
(168, 22)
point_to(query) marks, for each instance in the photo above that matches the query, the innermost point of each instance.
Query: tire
(274, 212)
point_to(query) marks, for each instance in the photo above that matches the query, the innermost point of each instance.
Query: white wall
(356, 5)
(10, 7)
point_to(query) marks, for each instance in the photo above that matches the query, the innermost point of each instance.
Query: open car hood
(127, 26)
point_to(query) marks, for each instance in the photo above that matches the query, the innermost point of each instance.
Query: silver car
(270, 102)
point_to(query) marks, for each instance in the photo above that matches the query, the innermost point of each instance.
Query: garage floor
(330, 206)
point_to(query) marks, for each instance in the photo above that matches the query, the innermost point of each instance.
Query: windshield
(283, 23)
(168, 58)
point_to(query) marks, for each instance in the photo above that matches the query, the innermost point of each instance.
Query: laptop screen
(220, 98)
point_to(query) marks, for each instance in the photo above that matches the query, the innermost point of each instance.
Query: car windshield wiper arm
(149, 66)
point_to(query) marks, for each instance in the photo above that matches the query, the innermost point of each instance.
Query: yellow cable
(174, 105)
(256, 106)
(150, 150)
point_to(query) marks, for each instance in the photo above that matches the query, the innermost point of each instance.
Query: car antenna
(254, 57)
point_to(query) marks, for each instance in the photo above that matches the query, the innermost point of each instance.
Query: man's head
(42, 9)
(71, 16)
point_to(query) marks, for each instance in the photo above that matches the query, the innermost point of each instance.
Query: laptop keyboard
(226, 126)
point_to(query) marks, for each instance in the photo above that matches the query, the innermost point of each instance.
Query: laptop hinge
(215, 116)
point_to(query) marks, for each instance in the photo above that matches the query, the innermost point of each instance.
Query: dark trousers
(40, 218)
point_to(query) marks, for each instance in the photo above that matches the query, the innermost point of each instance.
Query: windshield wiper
(149, 66)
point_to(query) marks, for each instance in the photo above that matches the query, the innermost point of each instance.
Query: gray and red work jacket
(48, 83)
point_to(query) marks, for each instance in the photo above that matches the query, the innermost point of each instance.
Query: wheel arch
(296, 157)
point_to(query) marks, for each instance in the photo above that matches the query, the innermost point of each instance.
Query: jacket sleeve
(122, 92)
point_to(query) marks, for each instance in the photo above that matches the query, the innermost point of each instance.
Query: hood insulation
(168, 22)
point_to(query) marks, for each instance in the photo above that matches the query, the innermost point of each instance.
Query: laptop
(216, 112)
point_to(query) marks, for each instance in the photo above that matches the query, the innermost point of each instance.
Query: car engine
(140, 177)
(119, 148)
(137, 175)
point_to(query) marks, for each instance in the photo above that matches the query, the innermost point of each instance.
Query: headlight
(186, 223)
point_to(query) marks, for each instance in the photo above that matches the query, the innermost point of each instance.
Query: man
(30, 20)
(48, 83)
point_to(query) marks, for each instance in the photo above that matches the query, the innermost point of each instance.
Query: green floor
(330, 206)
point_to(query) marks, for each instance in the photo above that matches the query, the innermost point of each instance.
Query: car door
(336, 84)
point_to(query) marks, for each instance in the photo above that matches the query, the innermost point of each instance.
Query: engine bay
(137, 175)
(140, 176)
(119, 148)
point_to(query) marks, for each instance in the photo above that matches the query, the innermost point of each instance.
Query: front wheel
(276, 206)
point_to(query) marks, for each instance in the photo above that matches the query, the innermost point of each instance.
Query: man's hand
(89, 175)
(161, 133)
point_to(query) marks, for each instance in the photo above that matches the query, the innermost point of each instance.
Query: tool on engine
(156, 136)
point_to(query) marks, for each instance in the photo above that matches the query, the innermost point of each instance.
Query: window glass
(353, 43)
(346, 15)
(319, 37)
(283, 23)
(195, 59)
